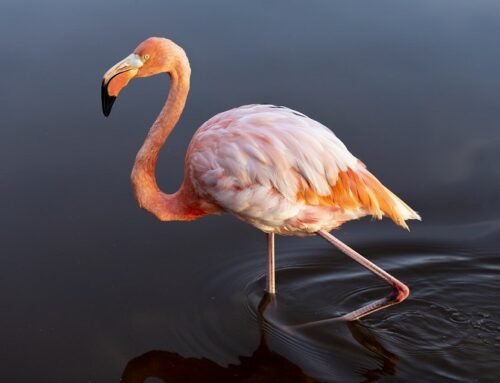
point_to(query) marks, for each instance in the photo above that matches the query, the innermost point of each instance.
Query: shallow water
(448, 330)
(93, 289)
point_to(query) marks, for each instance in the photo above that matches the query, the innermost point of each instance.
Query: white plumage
(256, 161)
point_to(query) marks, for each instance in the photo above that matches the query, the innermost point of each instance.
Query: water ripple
(449, 327)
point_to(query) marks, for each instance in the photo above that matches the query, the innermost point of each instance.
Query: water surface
(93, 289)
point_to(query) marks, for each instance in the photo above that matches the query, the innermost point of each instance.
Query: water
(93, 289)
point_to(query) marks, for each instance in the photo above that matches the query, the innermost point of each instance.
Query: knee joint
(401, 292)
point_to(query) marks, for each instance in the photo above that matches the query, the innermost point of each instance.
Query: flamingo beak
(116, 78)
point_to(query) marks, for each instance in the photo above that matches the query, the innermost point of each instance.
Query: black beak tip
(106, 99)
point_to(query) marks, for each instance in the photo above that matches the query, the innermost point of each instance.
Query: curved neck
(148, 194)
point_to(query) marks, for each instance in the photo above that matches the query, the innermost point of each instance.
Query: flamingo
(270, 166)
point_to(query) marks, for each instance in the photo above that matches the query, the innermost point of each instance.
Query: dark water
(93, 288)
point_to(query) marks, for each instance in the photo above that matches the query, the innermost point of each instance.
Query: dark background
(89, 281)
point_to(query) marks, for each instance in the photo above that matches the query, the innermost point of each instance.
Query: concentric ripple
(448, 329)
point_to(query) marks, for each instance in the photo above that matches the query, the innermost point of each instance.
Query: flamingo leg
(271, 284)
(400, 290)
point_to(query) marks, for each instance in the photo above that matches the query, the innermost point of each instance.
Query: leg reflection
(388, 360)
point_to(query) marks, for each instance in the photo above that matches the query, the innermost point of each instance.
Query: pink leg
(271, 284)
(400, 290)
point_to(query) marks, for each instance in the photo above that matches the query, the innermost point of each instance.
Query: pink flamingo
(270, 166)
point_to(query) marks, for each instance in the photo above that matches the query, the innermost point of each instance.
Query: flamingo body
(284, 173)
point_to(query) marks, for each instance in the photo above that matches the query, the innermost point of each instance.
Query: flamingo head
(154, 55)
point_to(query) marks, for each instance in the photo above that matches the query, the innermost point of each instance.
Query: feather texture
(284, 172)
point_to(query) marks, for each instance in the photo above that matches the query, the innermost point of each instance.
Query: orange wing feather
(359, 189)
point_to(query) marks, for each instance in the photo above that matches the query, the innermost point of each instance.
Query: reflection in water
(367, 339)
(264, 365)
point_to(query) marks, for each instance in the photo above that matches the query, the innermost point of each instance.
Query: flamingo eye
(145, 57)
